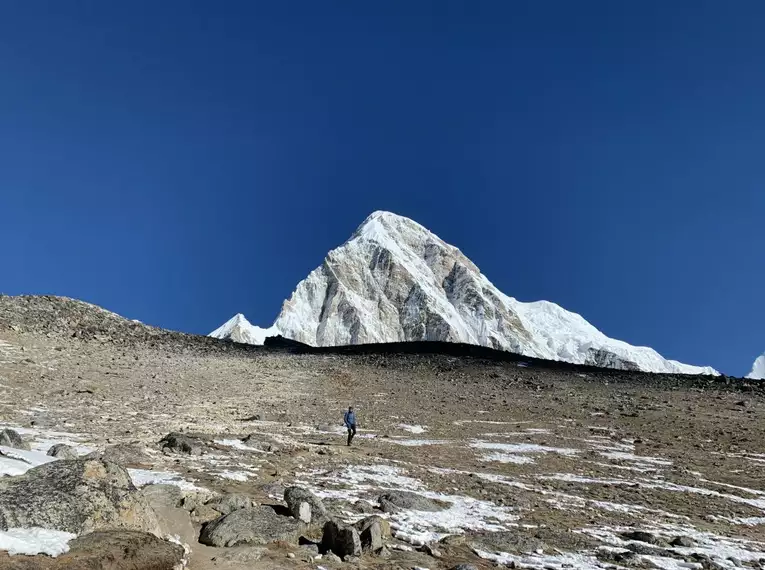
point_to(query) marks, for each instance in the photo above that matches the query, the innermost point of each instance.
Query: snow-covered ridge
(394, 280)
(758, 369)
(239, 329)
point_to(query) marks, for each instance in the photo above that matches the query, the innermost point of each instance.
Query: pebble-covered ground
(532, 467)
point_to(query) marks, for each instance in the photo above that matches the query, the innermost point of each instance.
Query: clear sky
(181, 161)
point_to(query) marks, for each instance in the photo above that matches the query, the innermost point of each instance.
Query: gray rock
(204, 514)
(463, 567)
(641, 536)
(312, 549)
(112, 549)
(305, 506)
(404, 500)
(76, 495)
(63, 451)
(125, 454)
(162, 495)
(10, 438)
(685, 541)
(181, 443)
(241, 554)
(340, 539)
(372, 530)
(331, 557)
(226, 504)
(253, 525)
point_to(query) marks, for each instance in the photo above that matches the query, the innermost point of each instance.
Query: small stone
(290, 555)
(684, 541)
(62, 451)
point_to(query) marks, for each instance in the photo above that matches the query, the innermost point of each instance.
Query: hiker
(350, 422)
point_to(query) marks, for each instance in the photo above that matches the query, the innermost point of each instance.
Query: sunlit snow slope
(394, 280)
(758, 370)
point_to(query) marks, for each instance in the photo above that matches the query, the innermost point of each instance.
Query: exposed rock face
(112, 549)
(254, 525)
(394, 280)
(305, 506)
(10, 438)
(342, 540)
(75, 496)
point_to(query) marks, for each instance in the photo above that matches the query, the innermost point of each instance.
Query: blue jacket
(350, 419)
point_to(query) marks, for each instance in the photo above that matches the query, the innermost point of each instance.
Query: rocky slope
(237, 453)
(394, 280)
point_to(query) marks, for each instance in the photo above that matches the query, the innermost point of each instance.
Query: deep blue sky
(181, 161)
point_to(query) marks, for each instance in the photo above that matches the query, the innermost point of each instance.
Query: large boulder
(11, 438)
(372, 530)
(77, 496)
(162, 495)
(62, 451)
(340, 539)
(181, 443)
(254, 525)
(111, 549)
(404, 500)
(226, 504)
(305, 506)
(125, 454)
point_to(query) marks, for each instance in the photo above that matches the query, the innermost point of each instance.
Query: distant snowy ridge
(758, 369)
(239, 329)
(394, 280)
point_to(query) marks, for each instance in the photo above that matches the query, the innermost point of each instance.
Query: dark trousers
(351, 432)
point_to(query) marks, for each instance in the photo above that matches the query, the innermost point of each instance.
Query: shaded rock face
(396, 500)
(62, 451)
(112, 550)
(254, 525)
(372, 530)
(305, 506)
(10, 438)
(340, 539)
(75, 496)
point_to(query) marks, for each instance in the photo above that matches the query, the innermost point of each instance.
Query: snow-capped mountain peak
(239, 329)
(394, 280)
(758, 369)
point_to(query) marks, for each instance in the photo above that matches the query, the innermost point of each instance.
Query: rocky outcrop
(111, 549)
(76, 496)
(305, 506)
(254, 525)
(10, 438)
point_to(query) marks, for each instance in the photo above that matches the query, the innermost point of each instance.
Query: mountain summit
(394, 280)
(758, 369)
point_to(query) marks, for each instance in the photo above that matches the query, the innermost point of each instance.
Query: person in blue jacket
(350, 423)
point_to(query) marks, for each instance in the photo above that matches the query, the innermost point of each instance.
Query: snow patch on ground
(18, 461)
(517, 452)
(33, 541)
(143, 477)
(415, 429)
(237, 444)
(234, 475)
(419, 442)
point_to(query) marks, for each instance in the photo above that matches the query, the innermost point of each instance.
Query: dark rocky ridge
(63, 316)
